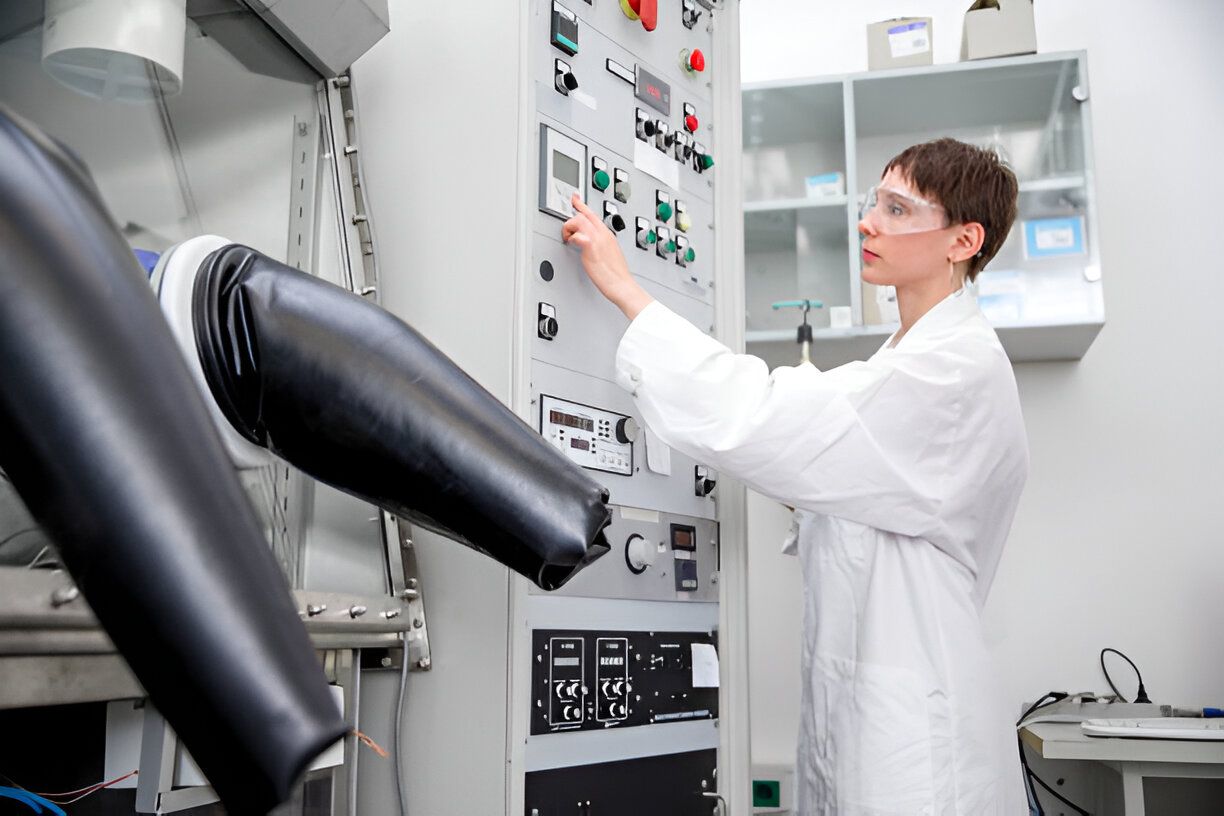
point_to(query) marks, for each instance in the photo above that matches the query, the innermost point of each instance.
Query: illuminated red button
(690, 123)
(696, 61)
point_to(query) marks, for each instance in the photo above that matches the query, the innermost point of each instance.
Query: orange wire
(83, 792)
(371, 744)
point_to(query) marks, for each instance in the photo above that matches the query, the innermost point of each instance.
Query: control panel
(591, 680)
(590, 437)
(655, 557)
(680, 784)
(627, 648)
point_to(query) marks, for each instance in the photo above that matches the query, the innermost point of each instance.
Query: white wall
(1118, 540)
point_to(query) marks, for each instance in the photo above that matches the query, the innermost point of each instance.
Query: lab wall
(1118, 537)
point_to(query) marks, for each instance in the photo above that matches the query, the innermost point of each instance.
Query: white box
(900, 43)
(998, 28)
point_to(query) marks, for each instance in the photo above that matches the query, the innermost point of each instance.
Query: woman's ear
(967, 242)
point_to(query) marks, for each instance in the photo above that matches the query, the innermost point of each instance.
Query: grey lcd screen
(565, 168)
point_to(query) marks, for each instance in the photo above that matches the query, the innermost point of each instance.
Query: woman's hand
(603, 260)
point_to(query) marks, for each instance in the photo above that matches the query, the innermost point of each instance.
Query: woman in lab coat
(905, 472)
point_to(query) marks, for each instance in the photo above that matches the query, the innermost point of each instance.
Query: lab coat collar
(947, 313)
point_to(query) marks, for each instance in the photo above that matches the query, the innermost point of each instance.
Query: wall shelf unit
(1042, 291)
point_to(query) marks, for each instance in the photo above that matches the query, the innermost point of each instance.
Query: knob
(618, 687)
(639, 553)
(571, 712)
(627, 429)
(645, 128)
(692, 61)
(615, 222)
(565, 79)
(691, 124)
(572, 691)
(664, 210)
(548, 328)
(605, 687)
(704, 481)
(600, 180)
(644, 11)
(617, 710)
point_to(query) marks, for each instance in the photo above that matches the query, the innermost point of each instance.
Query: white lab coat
(906, 470)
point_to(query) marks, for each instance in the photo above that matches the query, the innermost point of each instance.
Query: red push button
(696, 61)
(690, 123)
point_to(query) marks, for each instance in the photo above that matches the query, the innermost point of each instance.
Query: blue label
(908, 27)
(1054, 237)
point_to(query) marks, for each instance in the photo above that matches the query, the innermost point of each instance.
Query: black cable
(1140, 693)
(1049, 698)
(1030, 776)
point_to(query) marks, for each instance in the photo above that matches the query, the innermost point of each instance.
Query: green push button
(651, 237)
(601, 180)
(665, 211)
(690, 255)
(707, 161)
(671, 246)
(766, 793)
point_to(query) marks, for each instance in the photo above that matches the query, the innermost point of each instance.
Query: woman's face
(905, 239)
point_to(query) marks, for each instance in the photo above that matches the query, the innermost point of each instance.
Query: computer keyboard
(1179, 728)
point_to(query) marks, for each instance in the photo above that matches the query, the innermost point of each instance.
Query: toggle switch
(612, 217)
(689, 13)
(646, 236)
(563, 77)
(644, 11)
(692, 61)
(599, 174)
(683, 222)
(661, 135)
(547, 326)
(645, 125)
(680, 143)
(705, 480)
(664, 245)
(621, 190)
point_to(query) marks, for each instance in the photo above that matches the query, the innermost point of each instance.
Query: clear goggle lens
(893, 212)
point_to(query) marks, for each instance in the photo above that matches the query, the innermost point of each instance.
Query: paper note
(658, 455)
(705, 665)
(657, 163)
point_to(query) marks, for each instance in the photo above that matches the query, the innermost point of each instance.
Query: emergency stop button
(692, 61)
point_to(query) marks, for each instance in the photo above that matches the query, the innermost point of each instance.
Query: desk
(1134, 759)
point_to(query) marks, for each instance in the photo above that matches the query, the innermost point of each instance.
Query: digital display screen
(652, 90)
(565, 661)
(565, 168)
(580, 444)
(683, 538)
(571, 421)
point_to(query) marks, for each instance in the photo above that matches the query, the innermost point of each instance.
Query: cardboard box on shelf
(998, 28)
(899, 43)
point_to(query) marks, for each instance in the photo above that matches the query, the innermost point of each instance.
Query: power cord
(1140, 693)
(1047, 699)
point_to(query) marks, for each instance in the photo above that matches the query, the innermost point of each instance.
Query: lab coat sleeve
(796, 435)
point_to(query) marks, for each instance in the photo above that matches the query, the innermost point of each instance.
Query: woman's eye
(896, 210)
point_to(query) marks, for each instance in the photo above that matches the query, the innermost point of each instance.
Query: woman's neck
(917, 299)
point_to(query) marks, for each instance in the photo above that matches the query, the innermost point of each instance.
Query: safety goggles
(893, 212)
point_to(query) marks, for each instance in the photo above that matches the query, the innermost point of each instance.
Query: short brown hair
(972, 184)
